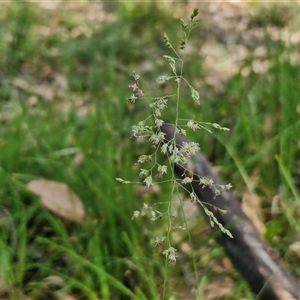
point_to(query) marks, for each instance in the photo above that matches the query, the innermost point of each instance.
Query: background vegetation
(64, 117)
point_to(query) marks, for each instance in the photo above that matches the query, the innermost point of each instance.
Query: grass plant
(79, 135)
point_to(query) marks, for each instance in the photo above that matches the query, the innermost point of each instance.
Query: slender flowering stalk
(174, 154)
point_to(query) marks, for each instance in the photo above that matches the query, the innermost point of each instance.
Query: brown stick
(256, 261)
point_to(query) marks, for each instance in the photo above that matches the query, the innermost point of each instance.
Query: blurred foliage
(63, 85)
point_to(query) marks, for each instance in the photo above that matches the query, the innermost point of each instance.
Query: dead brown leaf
(251, 207)
(58, 198)
(295, 248)
(218, 289)
(4, 288)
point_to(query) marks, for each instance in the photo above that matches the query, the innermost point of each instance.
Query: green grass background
(109, 256)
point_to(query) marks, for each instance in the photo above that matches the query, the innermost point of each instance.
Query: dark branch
(256, 261)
